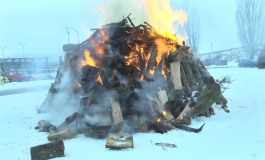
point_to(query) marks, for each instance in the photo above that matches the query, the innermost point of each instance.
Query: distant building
(24, 63)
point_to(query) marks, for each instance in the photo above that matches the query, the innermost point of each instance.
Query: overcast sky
(41, 24)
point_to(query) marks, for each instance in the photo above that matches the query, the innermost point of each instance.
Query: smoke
(148, 95)
(115, 10)
(64, 101)
(159, 13)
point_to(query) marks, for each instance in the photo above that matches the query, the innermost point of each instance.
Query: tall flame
(165, 21)
(164, 18)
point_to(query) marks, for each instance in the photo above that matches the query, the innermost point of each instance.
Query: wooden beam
(47, 151)
(119, 141)
(162, 96)
(175, 75)
(152, 60)
(116, 110)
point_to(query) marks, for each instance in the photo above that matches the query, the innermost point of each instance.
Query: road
(25, 89)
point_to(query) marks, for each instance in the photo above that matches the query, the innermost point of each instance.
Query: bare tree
(193, 31)
(250, 18)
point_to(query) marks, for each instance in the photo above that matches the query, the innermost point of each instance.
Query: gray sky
(41, 24)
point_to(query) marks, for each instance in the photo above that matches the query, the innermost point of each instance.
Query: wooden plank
(204, 73)
(184, 112)
(119, 141)
(47, 151)
(116, 111)
(45, 126)
(60, 135)
(167, 115)
(185, 81)
(197, 74)
(175, 75)
(162, 96)
(189, 74)
(163, 145)
(162, 125)
(152, 60)
(157, 106)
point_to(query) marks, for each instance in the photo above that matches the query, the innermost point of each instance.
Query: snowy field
(239, 134)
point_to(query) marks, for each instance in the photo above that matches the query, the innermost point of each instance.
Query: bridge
(229, 54)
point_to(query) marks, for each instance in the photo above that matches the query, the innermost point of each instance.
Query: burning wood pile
(125, 79)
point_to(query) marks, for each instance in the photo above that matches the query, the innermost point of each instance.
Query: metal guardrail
(231, 54)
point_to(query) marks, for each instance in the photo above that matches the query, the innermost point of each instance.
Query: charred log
(47, 151)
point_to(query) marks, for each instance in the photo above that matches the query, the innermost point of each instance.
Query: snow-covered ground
(239, 134)
(26, 84)
(22, 87)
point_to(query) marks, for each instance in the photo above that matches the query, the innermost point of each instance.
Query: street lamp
(3, 51)
(2, 48)
(75, 31)
(68, 32)
(23, 46)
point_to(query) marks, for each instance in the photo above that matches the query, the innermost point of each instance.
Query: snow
(239, 134)
(26, 84)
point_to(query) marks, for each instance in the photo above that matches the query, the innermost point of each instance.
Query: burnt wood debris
(134, 79)
(47, 151)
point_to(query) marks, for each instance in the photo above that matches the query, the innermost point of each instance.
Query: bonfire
(127, 78)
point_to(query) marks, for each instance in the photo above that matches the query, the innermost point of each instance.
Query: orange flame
(152, 71)
(162, 48)
(88, 59)
(99, 80)
(164, 74)
(164, 18)
(159, 120)
(100, 50)
(104, 35)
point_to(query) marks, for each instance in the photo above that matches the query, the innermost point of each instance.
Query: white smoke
(115, 10)
(64, 102)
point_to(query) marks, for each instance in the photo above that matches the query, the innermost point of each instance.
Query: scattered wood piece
(189, 129)
(162, 126)
(45, 126)
(163, 145)
(47, 151)
(119, 141)
(60, 135)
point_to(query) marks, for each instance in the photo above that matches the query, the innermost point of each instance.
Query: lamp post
(2, 48)
(23, 47)
(68, 32)
(70, 28)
